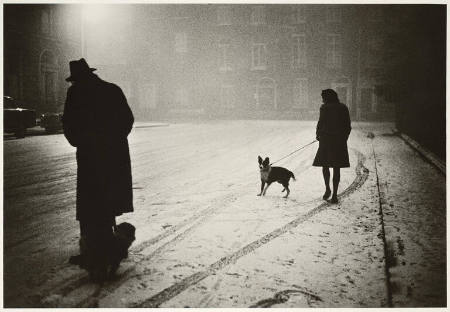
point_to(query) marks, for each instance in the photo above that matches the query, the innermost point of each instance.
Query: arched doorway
(49, 75)
(266, 94)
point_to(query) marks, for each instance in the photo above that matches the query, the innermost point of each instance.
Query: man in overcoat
(97, 121)
(333, 129)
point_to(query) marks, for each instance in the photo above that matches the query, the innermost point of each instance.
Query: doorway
(266, 94)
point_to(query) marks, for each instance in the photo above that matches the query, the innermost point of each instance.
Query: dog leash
(294, 152)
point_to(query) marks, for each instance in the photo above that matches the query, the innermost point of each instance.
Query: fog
(239, 61)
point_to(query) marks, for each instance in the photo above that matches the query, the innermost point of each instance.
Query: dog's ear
(266, 161)
(259, 160)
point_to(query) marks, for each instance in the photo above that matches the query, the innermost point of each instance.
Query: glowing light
(95, 13)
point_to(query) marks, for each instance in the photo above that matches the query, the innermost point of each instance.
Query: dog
(271, 174)
(104, 263)
(124, 235)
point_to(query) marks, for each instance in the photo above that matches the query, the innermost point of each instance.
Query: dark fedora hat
(79, 69)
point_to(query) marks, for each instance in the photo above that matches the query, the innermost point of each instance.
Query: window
(148, 97)
(301, 99)
(266, 94)
(334, 51)
(334, 15)
(299, 15)
(374, 52)
(224, 15)
(227, 96)
(45, 22)
(299, 51)
(181, 97)
(225, 57)
(389, 93)
(258, 15)
(259, 56)
(49, 69)
(367, 100)
(181, 43)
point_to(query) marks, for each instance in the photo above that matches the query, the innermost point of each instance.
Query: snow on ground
(204, 239)
(414, 205)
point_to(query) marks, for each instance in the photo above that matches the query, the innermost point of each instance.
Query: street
(203, 237)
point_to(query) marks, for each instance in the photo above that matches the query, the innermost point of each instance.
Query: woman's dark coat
(333, 129)
(97, 121)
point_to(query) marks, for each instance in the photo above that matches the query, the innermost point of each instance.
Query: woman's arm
(320, 123)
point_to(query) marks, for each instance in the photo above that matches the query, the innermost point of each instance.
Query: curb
(151, 125)
(425, 153)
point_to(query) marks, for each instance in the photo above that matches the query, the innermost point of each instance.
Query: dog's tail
(293, 176)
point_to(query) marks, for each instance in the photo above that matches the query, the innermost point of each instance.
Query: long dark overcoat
(333, 129)
(97, 121)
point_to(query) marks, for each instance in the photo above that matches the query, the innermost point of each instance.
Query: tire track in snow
(172, 291)
(194, 221)
(70, 284)
(283, 296)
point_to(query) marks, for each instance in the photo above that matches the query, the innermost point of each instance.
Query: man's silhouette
(97, 121)
(333, 129)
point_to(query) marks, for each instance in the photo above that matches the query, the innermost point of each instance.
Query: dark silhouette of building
(39, 41)
(417, 73)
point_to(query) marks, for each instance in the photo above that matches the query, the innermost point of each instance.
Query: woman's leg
(326, 179)
(336, 179)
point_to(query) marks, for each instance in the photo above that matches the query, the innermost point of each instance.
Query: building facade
(206, 60)
(39, 42)
(260, 61)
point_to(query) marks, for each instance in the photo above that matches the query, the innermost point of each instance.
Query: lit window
(334, 15)
(334, 51)
(259, 60)
(181, 43)
(224, 15)
(299, 51)
(301, 99)
(224, 57)
(258, 16)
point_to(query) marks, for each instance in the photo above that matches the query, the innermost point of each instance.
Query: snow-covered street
(204, 239)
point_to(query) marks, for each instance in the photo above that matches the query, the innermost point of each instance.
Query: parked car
(17, 119)
(52, 122)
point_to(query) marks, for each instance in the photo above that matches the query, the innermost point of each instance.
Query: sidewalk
(412, 199)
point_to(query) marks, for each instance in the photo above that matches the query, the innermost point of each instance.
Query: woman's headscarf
(330, 96)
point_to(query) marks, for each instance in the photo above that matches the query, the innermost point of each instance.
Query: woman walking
(333, 129)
